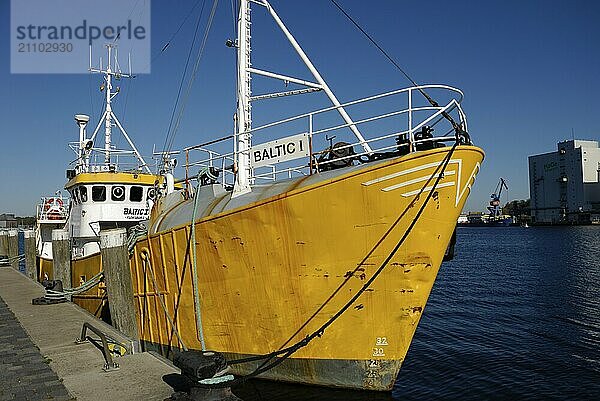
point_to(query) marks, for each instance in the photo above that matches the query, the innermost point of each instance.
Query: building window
(83, 194)
(98, 193)
(136, 194)
(117, 193)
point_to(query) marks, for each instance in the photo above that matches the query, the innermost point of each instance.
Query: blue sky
(529, 70)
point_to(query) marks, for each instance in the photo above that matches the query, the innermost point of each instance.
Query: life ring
(54, 208)
(53, 203)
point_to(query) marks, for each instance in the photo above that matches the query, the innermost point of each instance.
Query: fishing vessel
(108, 187)
(51, 214)
(305, 249)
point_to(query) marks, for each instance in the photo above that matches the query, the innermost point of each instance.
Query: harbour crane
(494, 207)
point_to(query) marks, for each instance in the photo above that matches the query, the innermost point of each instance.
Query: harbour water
(516, 315)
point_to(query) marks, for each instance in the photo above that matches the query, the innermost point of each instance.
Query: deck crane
(494, 208)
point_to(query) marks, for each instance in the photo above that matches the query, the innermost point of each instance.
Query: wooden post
(3, 245)
(30, 254)
(117, 276)
(13, 248)
(61, 257)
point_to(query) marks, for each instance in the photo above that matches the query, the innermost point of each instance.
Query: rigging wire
(457, 127)
(187, 62)
(391, 60)
(163, 49)
(91, 96)
(193, 75)
(129, 89)
(168, 42)
(118, 36)
(234, 13)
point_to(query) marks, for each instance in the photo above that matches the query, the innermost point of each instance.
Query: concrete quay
(40, 360)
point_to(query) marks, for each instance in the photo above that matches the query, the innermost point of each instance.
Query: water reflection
(515, 315)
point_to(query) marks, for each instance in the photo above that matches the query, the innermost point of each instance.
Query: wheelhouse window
(83, 194)
(136, 193)
(75, 195)
(98, 193)
(117, 193)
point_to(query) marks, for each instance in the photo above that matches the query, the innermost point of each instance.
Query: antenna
(109, 116)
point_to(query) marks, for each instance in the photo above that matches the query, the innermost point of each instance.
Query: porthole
(151, 193)
(118, 193)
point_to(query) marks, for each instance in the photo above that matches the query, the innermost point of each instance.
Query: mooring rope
(145, 255)
(88, 285)
(195, 267)
(136, 233)
(289, 351)
(13, 258)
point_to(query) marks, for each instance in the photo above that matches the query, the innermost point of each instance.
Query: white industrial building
(564, 185)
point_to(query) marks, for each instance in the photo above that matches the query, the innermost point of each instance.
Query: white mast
(244, 115)
(318, 77)
(109, 116)
(245, 69)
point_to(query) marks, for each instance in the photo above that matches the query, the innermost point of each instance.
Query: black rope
(457, 127)
(192, 76)
(170, 134)
(287, 352)
(374, 42)
(168, 42)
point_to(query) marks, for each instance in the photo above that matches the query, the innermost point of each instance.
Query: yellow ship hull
(94, 300)
(45, 269)
(269, 271)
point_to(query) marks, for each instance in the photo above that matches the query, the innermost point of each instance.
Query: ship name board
(135, 213)
(280, 150)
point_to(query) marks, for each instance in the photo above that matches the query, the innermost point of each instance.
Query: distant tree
(28, 221)
(517, 208)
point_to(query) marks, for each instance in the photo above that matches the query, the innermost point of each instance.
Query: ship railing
(53, 209)
(95, 161)
(405, 126)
